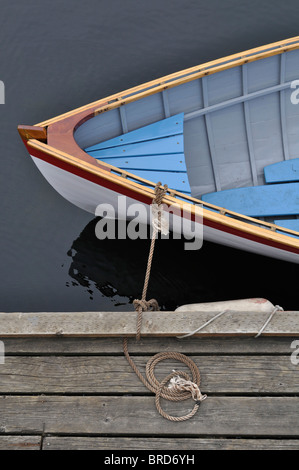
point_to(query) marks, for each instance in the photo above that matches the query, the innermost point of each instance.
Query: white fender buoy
(242, 305)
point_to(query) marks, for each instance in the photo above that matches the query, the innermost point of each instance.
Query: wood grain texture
(131, 416)
(64, 393)
(104, 324)
(274, 375)
(105, 346)
(149, 443)
(20, 442)
(32, 132)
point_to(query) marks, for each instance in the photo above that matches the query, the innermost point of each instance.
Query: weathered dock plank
(20, 443)
(80, 393)
(131, 416)
(105, 346)
(112, 374)
(160, 444)
(105, 324)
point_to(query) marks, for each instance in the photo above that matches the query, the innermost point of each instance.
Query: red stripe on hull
(99, 180)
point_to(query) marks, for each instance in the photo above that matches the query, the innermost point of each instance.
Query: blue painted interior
(158, 146)
(164, 128)
(259, 201)
(292, 224)
(171, 162)
(287, 170)
(237, 128)
(154, 152)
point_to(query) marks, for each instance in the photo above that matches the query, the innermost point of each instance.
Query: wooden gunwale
(121, 101)
(148, 194)
(199, 70)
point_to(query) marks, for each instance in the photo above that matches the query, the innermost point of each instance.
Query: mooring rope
(276, 308)
(144, 305)
(181, 386)
(202, 326)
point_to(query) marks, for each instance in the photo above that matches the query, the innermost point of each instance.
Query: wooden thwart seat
(281, 172)
(292, 224)
(259, 201)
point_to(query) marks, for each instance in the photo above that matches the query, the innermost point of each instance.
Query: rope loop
(276, 309)
(181, 386)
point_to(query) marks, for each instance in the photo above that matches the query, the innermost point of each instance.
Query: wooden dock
(65, 383)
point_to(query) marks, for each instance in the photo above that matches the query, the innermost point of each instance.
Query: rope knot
(178, 384)
(159, 222)
(146, 305)
(159, 193)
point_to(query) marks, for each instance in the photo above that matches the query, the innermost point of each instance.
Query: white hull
(88, 195)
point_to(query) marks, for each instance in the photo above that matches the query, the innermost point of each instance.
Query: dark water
(56, 56)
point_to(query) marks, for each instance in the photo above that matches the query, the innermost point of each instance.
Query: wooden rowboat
(224, 134)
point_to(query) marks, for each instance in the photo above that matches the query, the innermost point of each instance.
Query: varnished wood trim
(246, 225)
(202, 73)
(61, 137)
(33, 132)
(183, 76)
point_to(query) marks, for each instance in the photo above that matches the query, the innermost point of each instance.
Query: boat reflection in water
(116, 268)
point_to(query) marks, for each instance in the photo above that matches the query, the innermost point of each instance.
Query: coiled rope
(180, 385)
